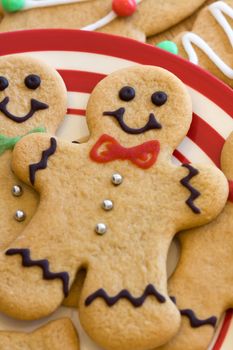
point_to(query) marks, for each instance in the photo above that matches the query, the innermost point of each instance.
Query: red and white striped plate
(83, 59)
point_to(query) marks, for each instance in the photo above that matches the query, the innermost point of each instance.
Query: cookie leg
(36, 272)
(122, 308)
(56, 335)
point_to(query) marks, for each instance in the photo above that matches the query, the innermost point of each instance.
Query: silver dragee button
(101, 229)
(117, 179)
(17, 191)
(20, 215)
(107, 204)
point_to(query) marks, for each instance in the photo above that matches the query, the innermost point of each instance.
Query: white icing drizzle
(217, 9)
(101, 22)
(29, 4)
(46, 3)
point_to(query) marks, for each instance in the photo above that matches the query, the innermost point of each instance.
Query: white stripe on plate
(211, 113)
(85, 61)
(194, 153)
(73, 128)
(77, 100)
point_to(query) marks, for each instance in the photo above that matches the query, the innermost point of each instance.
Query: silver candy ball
(101, 229)
(107, 204)
(17, 191)
(20, 215)
(117, 179)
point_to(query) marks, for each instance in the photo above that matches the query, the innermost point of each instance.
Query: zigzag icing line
(42, 164)
(196, 322)
(194, 193)
(44, 265)
(125, 294)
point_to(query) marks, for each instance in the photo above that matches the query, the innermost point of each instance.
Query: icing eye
(159, 98)
(3, 83)
(32, 81)
(127, 93)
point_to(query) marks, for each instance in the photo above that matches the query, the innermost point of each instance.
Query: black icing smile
(35, 106)
(119, 116)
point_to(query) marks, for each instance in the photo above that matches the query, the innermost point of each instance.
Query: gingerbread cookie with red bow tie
(132, 18)
(202, 283)
(111, 206)
(56, 335)
(32, 99)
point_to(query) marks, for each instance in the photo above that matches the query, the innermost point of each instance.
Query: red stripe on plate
(207, 138)
(76, 40)
(80, 112)
(224, 330)
(80, 81)
(180, 157)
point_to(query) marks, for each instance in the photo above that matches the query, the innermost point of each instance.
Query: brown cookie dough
(32, 99)
(202, 283)
(112, 206)
(150, 18)
(56, 335)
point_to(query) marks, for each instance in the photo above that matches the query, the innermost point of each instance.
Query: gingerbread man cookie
(56, 335)
(111, 206)
(133, 18)
(32, 99)
(211, 40)
(202, 283)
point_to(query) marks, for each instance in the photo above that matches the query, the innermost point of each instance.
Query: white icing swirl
(217, 9)
(30, 4)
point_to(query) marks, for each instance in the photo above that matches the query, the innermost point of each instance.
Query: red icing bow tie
(108, 149)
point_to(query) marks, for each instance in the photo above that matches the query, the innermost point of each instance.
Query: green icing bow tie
(10, 142)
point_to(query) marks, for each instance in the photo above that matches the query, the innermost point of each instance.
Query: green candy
(13, 5)
(168, 46)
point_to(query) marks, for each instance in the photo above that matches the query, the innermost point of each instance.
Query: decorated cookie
(133, 18)
(211, 40)
(32, 99)
(112, 206)
(202, 284)
(56, 335)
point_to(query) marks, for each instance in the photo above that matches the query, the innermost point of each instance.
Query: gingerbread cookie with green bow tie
(111, 206)
(56, 335)
(32, 99)
(202, 283)
(132, 18)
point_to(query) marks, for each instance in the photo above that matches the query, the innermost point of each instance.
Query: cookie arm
(204, 189)
(32, 154)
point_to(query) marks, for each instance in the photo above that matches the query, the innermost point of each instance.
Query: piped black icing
(44, 265)
(32, 81)
(159, 98)
(125, 294)
(196, 322)
(119, 116)
(194, 193)
(3, 83)
(127, 93)
(35, 106)
(42, 164)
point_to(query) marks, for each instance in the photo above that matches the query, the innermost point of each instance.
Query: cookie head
(139, 104)
(32, 94)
